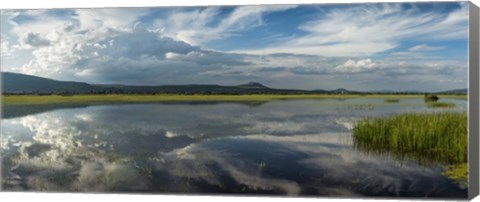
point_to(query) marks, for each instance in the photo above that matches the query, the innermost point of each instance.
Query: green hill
(21, 83)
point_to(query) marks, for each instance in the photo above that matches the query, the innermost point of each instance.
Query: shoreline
(138, 98)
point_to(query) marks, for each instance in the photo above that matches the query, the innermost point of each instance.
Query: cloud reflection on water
(285, 147)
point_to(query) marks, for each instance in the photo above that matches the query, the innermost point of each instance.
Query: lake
(284, 147)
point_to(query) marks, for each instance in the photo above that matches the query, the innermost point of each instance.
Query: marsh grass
(428, 138)
(431, 98)
(114, 98)
(440, 104)
(425, 137)
(391, 100)
(458, 172)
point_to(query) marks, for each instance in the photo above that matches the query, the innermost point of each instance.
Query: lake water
(288, 147)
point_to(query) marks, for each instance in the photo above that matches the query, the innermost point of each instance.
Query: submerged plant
(262, 165)
(146, 171)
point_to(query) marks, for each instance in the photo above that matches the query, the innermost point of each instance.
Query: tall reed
(426, 137)
(440, 104)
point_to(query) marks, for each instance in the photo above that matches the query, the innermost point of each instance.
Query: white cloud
(33, 40)
(112, 18)
(194, 27)
(425, 47)
(352, 66)
(5, 50)
(40, 22)
(111, 46)
(116, 55)
(364, 30)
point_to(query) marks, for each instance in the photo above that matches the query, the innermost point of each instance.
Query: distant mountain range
(455, 91)
(14, 83)
(21, 83)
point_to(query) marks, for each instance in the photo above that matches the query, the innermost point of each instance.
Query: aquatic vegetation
(262, 165)
(391, 100)
(146, 171)
(458, 172)
(430, 98)
(440, 104)
(99, 99)
(356, 107)
(438, 137)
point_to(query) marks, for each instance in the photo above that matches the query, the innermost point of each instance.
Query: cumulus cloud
(5, 48)
(112, 18)
(120, 46)
(38, 21)
(108, 57)
(33, 40)
(352, 66)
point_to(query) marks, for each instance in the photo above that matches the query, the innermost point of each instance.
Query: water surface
(289, 147)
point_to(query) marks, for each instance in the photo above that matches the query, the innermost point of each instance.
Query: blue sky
(395, 46)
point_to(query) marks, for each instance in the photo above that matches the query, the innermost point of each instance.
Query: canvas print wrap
(342, 100)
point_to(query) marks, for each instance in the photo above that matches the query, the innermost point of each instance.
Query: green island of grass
(425, 137)
(136, 98)
(440, 104)
(391, 100)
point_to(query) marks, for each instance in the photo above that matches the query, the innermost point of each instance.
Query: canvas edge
(473, 101)
(1, 108)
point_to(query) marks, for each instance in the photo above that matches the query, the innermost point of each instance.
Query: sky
(366, 47)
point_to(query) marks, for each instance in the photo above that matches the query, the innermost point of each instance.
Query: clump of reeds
(431, 137)
(430, 98)
(440, 104)
(458, 172)
(391, 100)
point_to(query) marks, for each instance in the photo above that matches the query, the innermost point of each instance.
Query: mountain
(21, 83)
(253, 85)
(342, 91)
(383, 91)
(14, 83)
(455, 91)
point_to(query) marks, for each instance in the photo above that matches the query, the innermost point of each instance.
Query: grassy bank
(438, 137)
(92, 99)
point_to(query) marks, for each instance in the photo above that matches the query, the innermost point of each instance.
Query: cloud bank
(350, 46)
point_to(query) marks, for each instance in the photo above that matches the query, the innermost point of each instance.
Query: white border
(71, 197)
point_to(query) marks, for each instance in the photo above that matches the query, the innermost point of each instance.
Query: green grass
(458, 172)
(391, 100)
(438, 138)
(426, 137)
(94, 99)
(440, 104)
